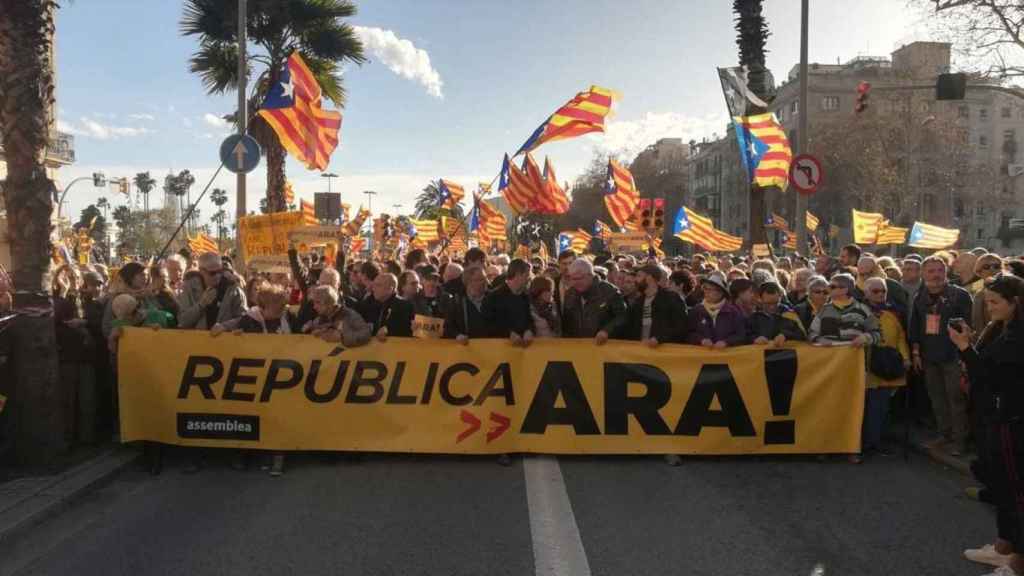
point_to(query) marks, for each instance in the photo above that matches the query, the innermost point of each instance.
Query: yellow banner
(267, 234)
(628, 240)
(557, 396)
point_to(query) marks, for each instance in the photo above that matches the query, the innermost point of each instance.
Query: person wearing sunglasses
(222, 299)
(817, 296)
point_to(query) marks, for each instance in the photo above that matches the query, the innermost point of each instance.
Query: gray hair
(453, 270)
(817, 280)
(846, 280)
(329, 277)
(502, 260)
(581, 266)
(179, 260)
(325, 294)
(873, 281)
(208, 259)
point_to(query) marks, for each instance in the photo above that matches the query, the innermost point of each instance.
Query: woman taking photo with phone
(996, 363)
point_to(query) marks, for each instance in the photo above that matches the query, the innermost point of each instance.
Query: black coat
(668, 318)
(784, 320)
(953, 302)
(507, 312)
(602, 308)
(463, 317)
(435, 307)
(396, 313)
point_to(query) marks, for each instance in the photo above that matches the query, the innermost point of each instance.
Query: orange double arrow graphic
(501, 422)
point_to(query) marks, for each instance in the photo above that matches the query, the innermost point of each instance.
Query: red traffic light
(863, 90)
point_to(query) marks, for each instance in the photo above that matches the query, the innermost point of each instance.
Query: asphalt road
(411, 515)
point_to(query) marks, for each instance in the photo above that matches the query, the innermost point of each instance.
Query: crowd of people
(943, 330)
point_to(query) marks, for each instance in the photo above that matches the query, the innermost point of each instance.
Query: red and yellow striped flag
(292, 109)
(202, 244)
(811, 221)
(308, 213)
(516, 187)
(450, 192)
(865, 226)
(700, 230)
(493, 223)
(620, 194)
(426, 230)
(353, 227)
(289, 194)
(888, 234)
(583, 114)
(553, 199)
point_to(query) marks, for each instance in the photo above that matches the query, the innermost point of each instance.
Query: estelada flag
(888, 234)
(292, 108)
(491, 221)
(202, 244)
(865, 226)
(776, 221)
(602, 230)
(583, 114)
(764, 149)
(450, 193)
(930, 236)
(516, 187)
(553, 199)
(620, 194)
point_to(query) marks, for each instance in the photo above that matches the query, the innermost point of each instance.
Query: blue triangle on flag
(682, 223)
(752, 148)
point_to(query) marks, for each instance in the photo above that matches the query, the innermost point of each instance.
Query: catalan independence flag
(865, 226)
(516, 187)
(602, 230)
(553, 200)
(888, 234)
(491, 222)
(929, 236)
(450, 193)
(292, 108)
(764, 149)
(308, 213)
(202, 244)
(583, 114)
(425, 230)
(700, 230)
(620, 194)
(776, 221)
(576, 240)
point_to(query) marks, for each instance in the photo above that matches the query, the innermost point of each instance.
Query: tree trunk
(274, 154)
(26, 98)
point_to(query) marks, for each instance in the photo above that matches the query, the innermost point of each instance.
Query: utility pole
(242, 117)
(330, 176)
(369, 207)
(801, 200)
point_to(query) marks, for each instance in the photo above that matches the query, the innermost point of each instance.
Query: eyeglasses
(835, 287)
(819, 291)
(876, 291)
(993, 266)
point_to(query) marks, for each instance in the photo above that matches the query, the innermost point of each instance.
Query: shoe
(673, 460)
(974, 493)
(277, 465)
(504, 460)
(987, 555)
(1002, 571)
(855, 458)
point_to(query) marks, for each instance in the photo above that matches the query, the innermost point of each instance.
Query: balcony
(61, 151)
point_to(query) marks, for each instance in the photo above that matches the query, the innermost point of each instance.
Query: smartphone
(958, 324)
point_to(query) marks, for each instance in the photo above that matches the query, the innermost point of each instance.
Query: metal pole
(243, 120)
(369, 207)
(801, 200)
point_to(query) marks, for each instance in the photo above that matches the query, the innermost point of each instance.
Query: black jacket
(507, 312)
(997, 367)
(600, 308)
(805, 312)
(463, 317)
(952, 302)
(396, 314)
(668, 318)
(783, 321)
(435, 307)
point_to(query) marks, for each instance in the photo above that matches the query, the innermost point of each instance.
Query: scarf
(257, 315)
(713, 309)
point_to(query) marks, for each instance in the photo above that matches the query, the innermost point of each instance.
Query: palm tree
(428, 205)
(751, 36)
(26, 115)
(144, 184)
(220, 198)
(277, 27)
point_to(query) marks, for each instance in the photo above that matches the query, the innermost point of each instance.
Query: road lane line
(557, 547)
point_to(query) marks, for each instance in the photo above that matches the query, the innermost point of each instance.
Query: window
(983, 141)
(830, 103)
(963, 111)
(979, 210)
(981, 233)
(794, 108)
(983, 113)
(1005, 112)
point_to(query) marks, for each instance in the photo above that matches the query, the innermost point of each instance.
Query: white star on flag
(288, 89)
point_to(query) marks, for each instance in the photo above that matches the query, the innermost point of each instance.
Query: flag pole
(801, 200)
(189, 213)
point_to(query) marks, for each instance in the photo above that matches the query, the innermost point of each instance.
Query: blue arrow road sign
(240, 153)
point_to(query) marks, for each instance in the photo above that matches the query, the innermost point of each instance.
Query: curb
(30, 500)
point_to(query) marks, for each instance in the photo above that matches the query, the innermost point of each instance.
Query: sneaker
(673, 460)
(504, 460)
(974, 493)
(277, 465)
(987, 555)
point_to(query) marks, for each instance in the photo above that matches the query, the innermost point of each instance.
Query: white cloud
(91, 128)
(214, 120)
(402, 57)
(632, 136)
(148, 117)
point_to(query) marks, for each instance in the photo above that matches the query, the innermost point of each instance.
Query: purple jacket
(730, 325)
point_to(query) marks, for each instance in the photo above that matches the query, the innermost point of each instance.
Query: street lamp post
(330, 176)
(60, 201)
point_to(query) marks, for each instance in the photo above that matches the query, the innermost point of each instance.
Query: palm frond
(216, 63)
(328, 75)
(334, 41)
(210, 19)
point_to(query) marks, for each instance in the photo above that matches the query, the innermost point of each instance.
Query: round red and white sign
(805, 174)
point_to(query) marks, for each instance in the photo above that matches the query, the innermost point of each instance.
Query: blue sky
(450, 87)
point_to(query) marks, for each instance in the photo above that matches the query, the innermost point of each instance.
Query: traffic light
(659, 215)
(646, 213)
(99, 179)
(863, 89)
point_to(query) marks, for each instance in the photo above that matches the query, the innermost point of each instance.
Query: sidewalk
(921, 442)
(26, 501)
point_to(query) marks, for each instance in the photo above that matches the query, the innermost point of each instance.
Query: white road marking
(557, 547)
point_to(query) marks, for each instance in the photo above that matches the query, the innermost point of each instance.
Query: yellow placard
(293, 392)
(267, 234)
(315, 235)
(427, 326)
(628, 240)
